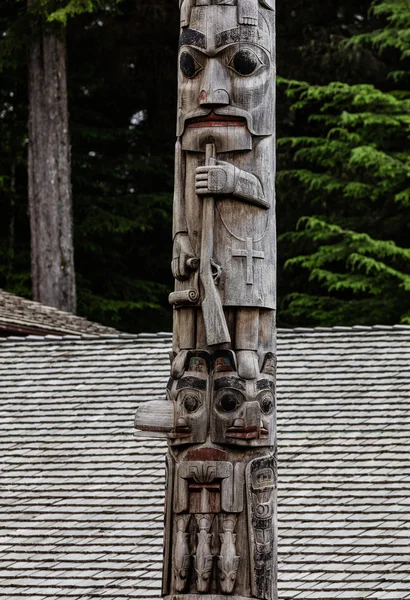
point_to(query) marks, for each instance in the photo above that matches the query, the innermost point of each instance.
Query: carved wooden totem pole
(219, 412)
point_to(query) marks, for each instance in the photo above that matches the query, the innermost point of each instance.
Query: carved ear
(224, 360)
(197, 360)
(269, 364)
(268, 4)
(185, 7)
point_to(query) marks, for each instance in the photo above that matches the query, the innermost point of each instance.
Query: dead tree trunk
(50, 201)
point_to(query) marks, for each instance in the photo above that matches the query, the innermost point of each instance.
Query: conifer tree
(352, 170)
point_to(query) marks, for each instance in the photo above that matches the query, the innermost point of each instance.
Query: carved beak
(156, 417)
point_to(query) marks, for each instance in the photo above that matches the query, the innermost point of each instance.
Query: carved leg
(182, 556)
(266, 342)
(204, 558)
(200, 330)
(246, 342)
(228, 561)
(186, 325)
(183, 338)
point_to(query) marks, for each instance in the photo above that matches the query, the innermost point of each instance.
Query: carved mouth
(247, 433)
(180, 432)
(214, 120)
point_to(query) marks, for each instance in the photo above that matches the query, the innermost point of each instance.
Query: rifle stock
(215, 323)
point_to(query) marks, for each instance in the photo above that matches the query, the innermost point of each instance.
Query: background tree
(49, 164)
(347, 163)
(342, 176)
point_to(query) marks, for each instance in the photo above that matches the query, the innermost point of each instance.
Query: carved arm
(224, 178)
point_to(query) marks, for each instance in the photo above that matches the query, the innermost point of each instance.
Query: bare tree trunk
(50, 201)
(12, 222)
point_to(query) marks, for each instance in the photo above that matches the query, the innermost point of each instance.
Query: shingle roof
(82, 498)
(19, 316)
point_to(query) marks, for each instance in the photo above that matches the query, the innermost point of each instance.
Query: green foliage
(396, 35)
(74, 8)
(351, 170)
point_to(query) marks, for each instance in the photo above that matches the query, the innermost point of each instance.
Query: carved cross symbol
(249, 254)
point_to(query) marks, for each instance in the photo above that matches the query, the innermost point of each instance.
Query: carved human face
(189, 397)
(243, 411)
(225, 72)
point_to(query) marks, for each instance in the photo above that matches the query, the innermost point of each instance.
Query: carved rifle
(214, 318)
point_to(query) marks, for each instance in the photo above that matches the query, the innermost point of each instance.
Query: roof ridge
(167, 336)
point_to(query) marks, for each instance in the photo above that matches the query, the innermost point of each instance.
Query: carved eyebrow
(242, 34)
(191, 37)
(191, 382)
(263, 384)
(229, 382)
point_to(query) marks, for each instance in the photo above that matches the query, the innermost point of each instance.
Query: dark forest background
(343, 160)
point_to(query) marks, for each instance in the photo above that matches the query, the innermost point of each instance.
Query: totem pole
(219, 411)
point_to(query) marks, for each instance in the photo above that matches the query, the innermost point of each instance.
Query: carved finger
(202, 177)
(202, 170)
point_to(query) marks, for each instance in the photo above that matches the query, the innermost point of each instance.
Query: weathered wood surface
(219, 411)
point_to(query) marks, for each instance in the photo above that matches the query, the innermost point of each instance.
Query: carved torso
(244, 234)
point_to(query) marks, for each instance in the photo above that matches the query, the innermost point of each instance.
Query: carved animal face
(243, 411)
(189, 397)
(226, 74)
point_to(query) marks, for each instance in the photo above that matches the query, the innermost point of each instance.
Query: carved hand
(217, 178)
(182, 252)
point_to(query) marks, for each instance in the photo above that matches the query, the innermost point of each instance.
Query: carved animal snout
(253, 416)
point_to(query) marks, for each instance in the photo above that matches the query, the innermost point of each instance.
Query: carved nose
(181, 422)
(215, 83)
(216, 97)
(239, 423)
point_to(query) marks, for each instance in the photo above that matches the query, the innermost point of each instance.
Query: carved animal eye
(228, 402)
(266, 403)
(189, 66)
(191, 403)
(245, 62)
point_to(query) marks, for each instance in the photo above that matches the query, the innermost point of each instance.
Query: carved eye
(245, 62)
(228, 402)
(191, 403)
(266, 402)
(189, 66)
